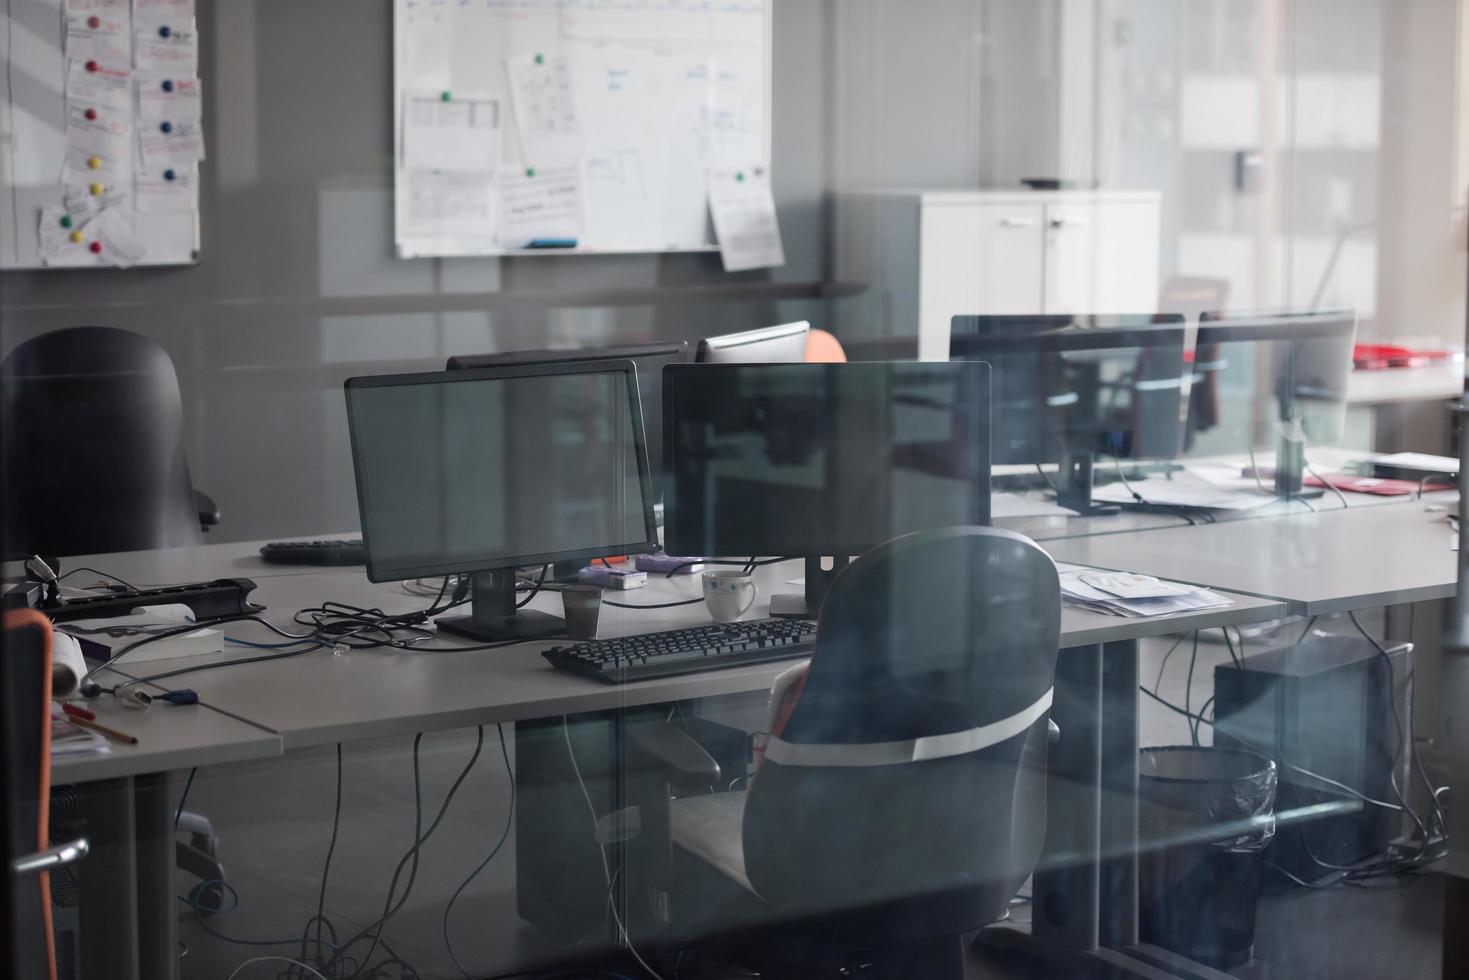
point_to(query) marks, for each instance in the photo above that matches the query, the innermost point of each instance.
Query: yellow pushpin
(96, 189)
(78, 237)
(95, 163)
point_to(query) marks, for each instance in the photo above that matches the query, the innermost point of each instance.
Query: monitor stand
(1074, 486)
(818, 580)
(493, 616)
(1290, 469)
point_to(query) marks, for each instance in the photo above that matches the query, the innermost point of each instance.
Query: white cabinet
(933, 255)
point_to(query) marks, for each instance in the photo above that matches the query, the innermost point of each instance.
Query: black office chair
(92, 446)
(903, 802)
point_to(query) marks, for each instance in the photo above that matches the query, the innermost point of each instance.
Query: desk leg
(1118, 925)
(158, 915)
(1066, 889)
(107, 880)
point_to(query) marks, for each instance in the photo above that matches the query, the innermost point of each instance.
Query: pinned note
(165, 144)
(102, 122)
(539, 206)
(171, 191)
(453, 133)
(179, 10)
(100, 84)
(118, 244)
(162, 45)
(165, 96)
(102, 37)
(743, 208)
(545, 113)
(115, 7)
(451, 203)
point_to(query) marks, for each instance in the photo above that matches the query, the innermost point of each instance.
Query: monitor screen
(647, 358)
(1066, 385)
(474, 470)
(784, 343)
(822, 459)
(1257, 376)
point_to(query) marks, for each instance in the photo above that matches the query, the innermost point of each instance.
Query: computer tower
(1324, 705)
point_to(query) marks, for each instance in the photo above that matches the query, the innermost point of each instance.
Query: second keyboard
(686, 651)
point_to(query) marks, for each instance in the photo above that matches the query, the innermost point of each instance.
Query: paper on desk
(69, 740)
(1174, 493)
(743, 209)
(1023, 505)
(1426, 462)
(545, 112)
(545, 204)
(449, 203)
(1076, 591)
(147, 619)
(460, 134)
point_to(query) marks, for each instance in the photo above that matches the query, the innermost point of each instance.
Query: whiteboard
(611, 109)
(33, 149)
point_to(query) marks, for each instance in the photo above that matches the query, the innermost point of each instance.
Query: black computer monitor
(784, 343)
(1268, 377)
(1070, 388)
(648, 358)
(483, 471)
(821, 460)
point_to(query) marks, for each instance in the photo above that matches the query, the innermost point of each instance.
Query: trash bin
(1205, 817)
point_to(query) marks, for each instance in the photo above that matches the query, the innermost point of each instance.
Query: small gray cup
(581, 604)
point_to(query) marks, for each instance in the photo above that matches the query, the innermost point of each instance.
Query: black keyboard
(349, 552)
(686, 651)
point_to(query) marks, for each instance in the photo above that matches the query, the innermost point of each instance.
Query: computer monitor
(1070, 388)
(1270, 377)
(784, 343)
(482, 471)
(822, 461)
(648, 358)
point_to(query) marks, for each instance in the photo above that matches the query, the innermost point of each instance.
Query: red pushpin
(90, 114)
(91, 66)
(96, 248)
(94, 22)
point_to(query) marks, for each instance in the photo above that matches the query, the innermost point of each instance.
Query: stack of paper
(1174, 493)
(68, 739)
(1130, 595)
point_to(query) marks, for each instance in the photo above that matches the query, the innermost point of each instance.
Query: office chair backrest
(947, 636)
(92, 445)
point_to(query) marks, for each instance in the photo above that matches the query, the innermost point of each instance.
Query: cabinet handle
(1062, 221)
(1017, 222)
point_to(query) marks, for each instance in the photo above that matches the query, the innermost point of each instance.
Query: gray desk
(326, 697)
(1315, 563)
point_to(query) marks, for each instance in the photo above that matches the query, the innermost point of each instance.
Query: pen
(77, 712)
(111, 733)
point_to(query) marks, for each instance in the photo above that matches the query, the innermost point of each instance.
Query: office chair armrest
(665, 748)
(208, 509)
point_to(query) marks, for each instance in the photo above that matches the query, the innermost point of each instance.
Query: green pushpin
(66, 221)
(530, 171)
(446, 96)
(739, 175)
(540, 59)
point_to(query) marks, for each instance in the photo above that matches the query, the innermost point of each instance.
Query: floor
(274, 820)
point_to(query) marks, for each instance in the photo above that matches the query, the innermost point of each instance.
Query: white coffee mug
(729, 594)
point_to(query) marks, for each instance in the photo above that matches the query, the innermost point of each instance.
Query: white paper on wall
(743, 209)
(545, 111)
(543, 205)
(457, 133)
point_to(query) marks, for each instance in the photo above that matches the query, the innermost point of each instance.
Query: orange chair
(824, 348)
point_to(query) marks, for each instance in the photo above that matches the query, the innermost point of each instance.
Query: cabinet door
(1101, 257)
(977, 258)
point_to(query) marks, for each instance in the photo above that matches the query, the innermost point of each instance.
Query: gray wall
(298, 288)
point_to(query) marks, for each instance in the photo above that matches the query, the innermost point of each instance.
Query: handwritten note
(182, 142)
(181, 98)
(451, 203)
(743, 209)
(106, 42)
(155, 193)
(547, 204)
(545, 112)
(454, 134)
(161, 46)
(103, 85)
